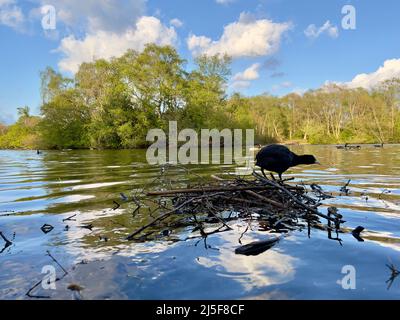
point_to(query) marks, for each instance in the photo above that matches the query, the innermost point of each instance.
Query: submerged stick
(70, 218)
(164, 216)
(55, 260)
(8, 242)
(37, 284)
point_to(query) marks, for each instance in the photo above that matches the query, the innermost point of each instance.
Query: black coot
(278, 158)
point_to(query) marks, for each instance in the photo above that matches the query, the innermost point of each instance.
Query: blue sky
(294, 45)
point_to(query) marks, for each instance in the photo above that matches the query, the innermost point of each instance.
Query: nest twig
(278, 206)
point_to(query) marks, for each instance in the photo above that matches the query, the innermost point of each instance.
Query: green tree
(22, 134)
(52, 84)
(64, 121)
(113, 104)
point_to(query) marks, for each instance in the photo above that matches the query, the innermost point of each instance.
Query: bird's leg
(272, 176)
(280, 177)
(263, 172)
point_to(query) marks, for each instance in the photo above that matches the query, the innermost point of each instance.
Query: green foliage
(52, 84)
(330, 115)
(114, 103)
(21, 135)
(64, 122)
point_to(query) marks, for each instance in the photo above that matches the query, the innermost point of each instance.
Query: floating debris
(7, 242)
(364, 195)
(46, 228)
(394, 274)
(319, 192)
(71, 218)
(6, 213)
(75, 287)
(105, 239)
(344, 189)
(117, 205)
(257, 247)
(385, 191)
(76, 291)
(87, 226)
(165, 233)
(356, 233)
(123, 197)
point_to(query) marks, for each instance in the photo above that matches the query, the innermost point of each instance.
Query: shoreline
(290, 144)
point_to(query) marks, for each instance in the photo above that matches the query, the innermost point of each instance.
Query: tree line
(112, 104)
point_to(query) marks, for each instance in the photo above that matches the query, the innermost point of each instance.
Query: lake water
(50, 187)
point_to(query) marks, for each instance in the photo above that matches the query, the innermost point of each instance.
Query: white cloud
(176, 23)
(313, 32)
(10, 14)
(197, 43)
(389, 70)
(96, 15)
(247, 37)
(251, 73)
(106, 44)
(242, 80)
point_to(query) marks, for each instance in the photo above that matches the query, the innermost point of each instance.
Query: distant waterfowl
(378, 145)
(38, 152)
(342, 147)
(348, 147)
(278, 158)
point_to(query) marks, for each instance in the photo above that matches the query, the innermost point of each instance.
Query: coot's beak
(317, 162)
